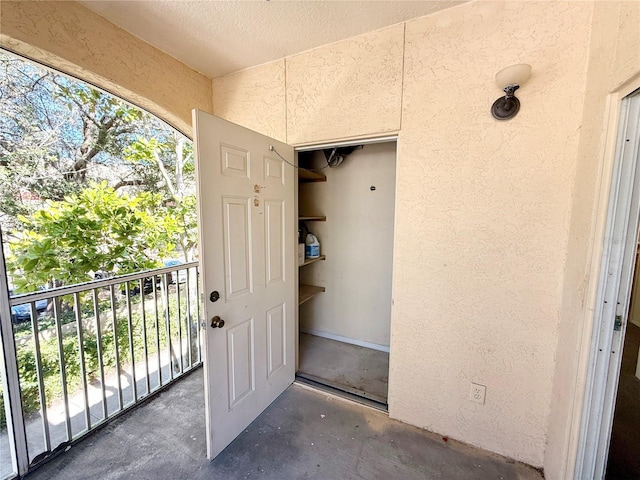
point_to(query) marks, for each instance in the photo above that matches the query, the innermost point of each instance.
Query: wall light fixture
(510, 79)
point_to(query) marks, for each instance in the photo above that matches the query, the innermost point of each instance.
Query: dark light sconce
(510, 79)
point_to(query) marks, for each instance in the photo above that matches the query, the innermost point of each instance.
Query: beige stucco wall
(614, 61)
(73, 39)
(347, 89)
(482, 215)
(254, 98)
(482, 212)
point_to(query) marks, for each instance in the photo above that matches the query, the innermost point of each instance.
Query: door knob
(217, 322)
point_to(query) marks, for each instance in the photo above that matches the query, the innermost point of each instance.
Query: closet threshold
(343, 391)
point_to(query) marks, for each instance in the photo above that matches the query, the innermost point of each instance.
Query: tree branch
(128, 183)
(164, 173)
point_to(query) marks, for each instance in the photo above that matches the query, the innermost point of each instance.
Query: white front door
(247, 255)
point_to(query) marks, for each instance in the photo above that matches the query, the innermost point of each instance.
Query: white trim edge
(346, 143)
(340, 338)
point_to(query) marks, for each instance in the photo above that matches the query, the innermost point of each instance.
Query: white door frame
(11, 378)
(612, 298)
(306, 147)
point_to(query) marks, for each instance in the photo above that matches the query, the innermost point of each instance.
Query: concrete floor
(57, 412)
(356, 369)
(304, 434)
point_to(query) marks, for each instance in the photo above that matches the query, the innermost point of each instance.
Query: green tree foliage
(176, 154)
(94, 230)
(89, 183)
(57, 135)
(107, 124)
(33, 144)
(59, 140)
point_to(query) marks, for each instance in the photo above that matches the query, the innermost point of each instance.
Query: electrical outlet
(477, 393)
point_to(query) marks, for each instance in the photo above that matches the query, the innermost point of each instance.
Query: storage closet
(346, 198)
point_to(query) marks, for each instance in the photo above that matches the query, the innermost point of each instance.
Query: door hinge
(617, 325)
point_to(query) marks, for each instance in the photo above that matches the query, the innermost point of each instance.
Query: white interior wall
(357, 239)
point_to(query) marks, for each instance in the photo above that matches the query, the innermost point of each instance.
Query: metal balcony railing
(90, 351)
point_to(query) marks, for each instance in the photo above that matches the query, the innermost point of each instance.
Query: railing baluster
(134, 385)
(189, 319)
(41, 390)
(63, 368)
(165, 299)
(114, 315)
(144, 337)
(90, 368)
(179, 317)
(96, 313)
(83, 370)
(199, 319)
(157, 328)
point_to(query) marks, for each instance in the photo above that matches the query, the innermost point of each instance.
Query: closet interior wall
(358, 200)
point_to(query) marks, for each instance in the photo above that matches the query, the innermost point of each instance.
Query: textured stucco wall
(481, 220)
(482, 212)
(351, 88)
(73, 39)
(614, 59)
(345, 90)
(254, 98)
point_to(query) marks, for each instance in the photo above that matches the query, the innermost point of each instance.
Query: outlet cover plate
(477, 393)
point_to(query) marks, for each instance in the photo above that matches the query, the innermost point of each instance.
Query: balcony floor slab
(305, 433)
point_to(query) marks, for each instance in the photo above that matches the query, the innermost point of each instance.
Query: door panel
(275, 240)
(247, 252)
(240, 343)
(276, 341)
(234, 161)
(274, 171)
(237, 246)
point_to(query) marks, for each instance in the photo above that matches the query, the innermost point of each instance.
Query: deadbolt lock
(217, 322)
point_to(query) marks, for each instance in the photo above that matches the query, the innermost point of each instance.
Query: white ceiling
(216, 37)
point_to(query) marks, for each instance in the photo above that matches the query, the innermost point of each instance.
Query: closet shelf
(312, 260)
(305, 176)
(307, 292)
(313, 218)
